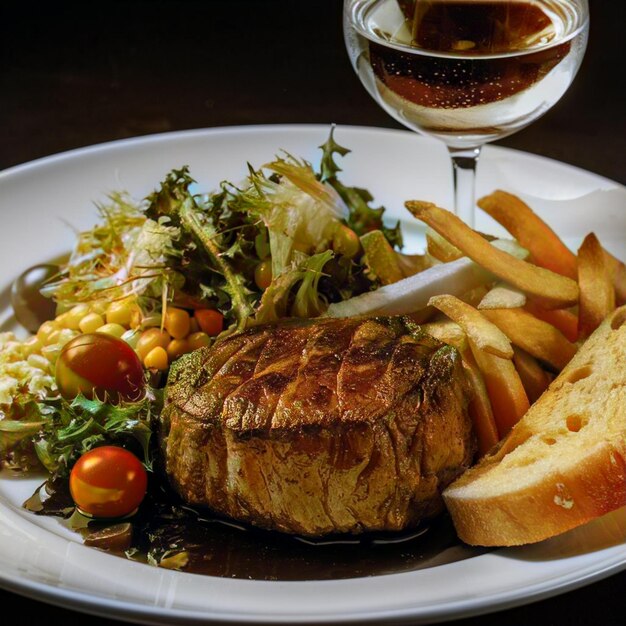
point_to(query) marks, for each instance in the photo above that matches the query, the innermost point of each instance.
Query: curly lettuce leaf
(362, 217)
(282, 299)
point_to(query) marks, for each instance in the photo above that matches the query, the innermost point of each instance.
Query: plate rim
(123, 609)
(58, 157)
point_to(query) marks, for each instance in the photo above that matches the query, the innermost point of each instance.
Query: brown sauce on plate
(164, 530)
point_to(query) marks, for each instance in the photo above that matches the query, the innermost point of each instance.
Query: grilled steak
(316, 427)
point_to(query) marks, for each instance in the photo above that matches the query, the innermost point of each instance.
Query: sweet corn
(91, 322)
(45, 330)
(198, 340)
(116, 330)
(32, 345)
(177, 322)
(38, 361)
(150, 339)
(73, 317)
(121, 311)
(53, 338)
(156, 359)
(176, 348)
(65, 335)
(99, 307)
(51, 352)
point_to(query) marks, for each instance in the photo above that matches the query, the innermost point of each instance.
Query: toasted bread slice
(564, 463)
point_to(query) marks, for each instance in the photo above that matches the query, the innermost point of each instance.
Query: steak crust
(317, 427)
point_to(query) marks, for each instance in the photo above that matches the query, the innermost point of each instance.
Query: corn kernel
(121, 311)
(150, 339)
(45, 330)
(177, 347)
(198, 340)
(65, 335)
(32, 345)
(156, 359)
(177, 322)
(38, 361)
(53, 338)
(72, 318)
(51, 352)
(91, 322)
(116, 330)
(99, 307)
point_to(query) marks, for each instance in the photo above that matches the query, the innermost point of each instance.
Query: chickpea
(74, 316)
(177, 347)
(177, 322)
(90, 323)
(150, 339)
(116, 330)
(121, 311)
(198, 340)
(46, 329)
(156, 359)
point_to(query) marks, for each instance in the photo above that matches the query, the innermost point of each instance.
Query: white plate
(40, 559)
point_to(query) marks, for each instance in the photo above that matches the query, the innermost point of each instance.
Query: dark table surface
(76, 74)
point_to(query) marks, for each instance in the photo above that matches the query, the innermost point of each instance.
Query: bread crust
(562, 501)
(578, 484)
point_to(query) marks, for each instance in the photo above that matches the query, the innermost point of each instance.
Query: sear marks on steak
(319, 426)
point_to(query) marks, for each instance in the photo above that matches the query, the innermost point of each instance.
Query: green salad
(170, 274)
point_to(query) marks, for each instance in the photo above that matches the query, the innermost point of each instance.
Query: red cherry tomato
(210, 321)
(108, 482)
(101, 366)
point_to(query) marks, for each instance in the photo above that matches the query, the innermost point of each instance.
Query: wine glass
(466, 71)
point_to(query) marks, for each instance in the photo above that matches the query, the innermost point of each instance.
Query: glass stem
(464, 162)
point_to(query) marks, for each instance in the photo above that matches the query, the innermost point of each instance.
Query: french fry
(503, 296)
(479, 407)
(618, 275)
(597, 294)
(545, 247)
(538, 338)
(474, 296)
(381, 258)
(563, 319)
(534, 378)
(441, 248)
(482, 332)
(447, 331)
(552, 290)
(504, 386)
(411, 264)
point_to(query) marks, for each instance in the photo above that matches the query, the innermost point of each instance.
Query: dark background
(76, 74)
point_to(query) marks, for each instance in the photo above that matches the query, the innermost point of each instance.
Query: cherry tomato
(210, 321)
(101, 366)
(108, 482)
